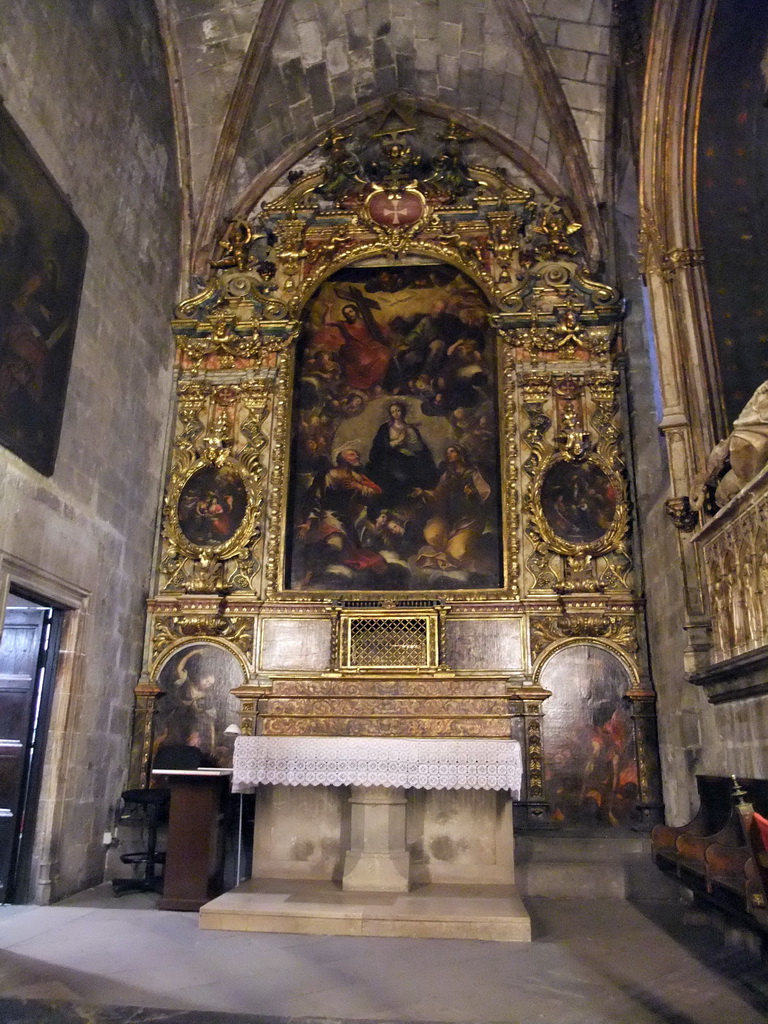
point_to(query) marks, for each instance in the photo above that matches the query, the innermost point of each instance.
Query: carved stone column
(377, 860)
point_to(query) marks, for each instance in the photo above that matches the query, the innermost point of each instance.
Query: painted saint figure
(459, 504)
(336, 514)
(362, 353)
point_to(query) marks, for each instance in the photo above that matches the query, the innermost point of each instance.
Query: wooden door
(22, 654)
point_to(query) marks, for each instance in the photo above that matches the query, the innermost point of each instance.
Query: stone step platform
(491, 912)
(609, 866)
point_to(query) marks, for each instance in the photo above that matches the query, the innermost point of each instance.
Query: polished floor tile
(591, 962)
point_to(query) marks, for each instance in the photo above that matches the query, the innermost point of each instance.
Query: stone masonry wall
(331, 56)
(577, 35)
(86, 82)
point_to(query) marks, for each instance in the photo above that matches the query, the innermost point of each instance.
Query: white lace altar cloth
(378, 761)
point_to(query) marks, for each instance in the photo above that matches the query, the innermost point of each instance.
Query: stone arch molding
(672, 264)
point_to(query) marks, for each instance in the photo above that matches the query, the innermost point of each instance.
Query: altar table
(379, 770)
(377, 761)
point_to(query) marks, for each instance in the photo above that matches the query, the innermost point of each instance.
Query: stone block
(401, 37)
(451, 10)
(495, 54)
(294, 81)
(310, 42)
(286, 44)
(304, 11)
(244, 17)
(448, 37)
(426, 82)
(357, 29)
(336, 57)
(470, 88)
(590, 125)
(602, 12)
(547, 28)
(343, 89)
(584, 96)
(473, 30)
(571, 64)
(406, 70)
(426, 55)
(575, 10)
(302, 118)
(598, 68)
(592, 38)
(448, 72)
(382, 54)
(319, 89)
(386, 80)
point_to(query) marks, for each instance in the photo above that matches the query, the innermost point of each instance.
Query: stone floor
(591, 962)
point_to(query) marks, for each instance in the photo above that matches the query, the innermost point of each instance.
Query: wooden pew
(715, 806)
(721, 854)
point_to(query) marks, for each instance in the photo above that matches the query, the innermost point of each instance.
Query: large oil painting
(588, 739)
(395, 477)
(42, 261)
(197, 707)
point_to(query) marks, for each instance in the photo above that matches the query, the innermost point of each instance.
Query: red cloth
(762, 828)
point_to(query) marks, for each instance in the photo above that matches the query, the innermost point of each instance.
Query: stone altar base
(491, 912)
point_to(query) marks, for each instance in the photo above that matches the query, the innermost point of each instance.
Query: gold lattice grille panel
(379, 641)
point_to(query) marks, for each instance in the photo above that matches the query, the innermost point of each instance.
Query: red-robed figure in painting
(359, 341)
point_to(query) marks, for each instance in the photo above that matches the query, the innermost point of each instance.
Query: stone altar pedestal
(377, 859)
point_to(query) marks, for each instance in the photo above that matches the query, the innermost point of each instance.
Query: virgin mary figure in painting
(399, 459)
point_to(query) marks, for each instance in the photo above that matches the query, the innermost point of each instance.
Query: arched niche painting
(394, 474)
(197, 705)
(588, 739)
(212, 505)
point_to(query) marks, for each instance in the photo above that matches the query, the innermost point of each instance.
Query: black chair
(152, 806)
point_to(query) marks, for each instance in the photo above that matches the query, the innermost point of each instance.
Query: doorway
(28, 649)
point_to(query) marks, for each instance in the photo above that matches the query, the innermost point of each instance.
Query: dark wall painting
(579, 501)
(395, 477)
(42, 262)
(212, 506)
(588, 739)
(197, 705)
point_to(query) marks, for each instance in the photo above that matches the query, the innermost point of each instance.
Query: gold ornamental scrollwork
(547, 629)
(215, 495)
(230, 546)
(168, 629)
(565, 338)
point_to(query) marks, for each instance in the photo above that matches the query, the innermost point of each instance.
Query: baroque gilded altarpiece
(344, 316)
